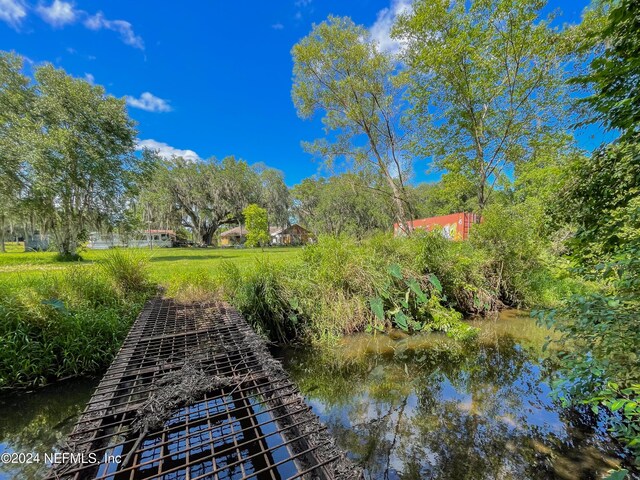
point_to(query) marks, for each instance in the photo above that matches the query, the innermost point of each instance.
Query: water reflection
(429, 407)
(36, 422)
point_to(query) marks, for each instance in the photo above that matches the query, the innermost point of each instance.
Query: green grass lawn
(173, 268)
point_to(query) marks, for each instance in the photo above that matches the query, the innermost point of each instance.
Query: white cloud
(302, 3)
(381, 29)
(90, 78)
(277, 26)
(12, 12)
(124, 28)
(167, 151)
(58, 14)
(148, 102)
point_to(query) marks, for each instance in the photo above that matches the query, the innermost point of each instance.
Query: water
(429, 407)
(36, 422)
(403, 407)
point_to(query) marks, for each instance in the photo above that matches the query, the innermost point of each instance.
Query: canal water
(36, 423)
(426, 406)
(403, 407)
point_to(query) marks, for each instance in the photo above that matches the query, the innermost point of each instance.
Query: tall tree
(614, 77)
(275, 196)
(339, 70)
(16, 101)
(486, 81)
(210, 193)
(599, 332)
(85, 153)
(351, 203)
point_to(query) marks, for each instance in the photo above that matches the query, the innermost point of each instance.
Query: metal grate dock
(249, 423)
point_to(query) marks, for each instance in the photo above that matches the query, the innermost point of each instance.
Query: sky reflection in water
(430, 407)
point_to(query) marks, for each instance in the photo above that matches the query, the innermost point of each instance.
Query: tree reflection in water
(37, 422)
(429, 407)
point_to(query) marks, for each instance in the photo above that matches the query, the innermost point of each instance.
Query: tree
(16, 100)
(486, 83)
(452, 193)
(274, 195)
(257, 224)
(209, 193)
(343, 204)
(84, 156)
(599, 332)
(338, 69)
(614, 76)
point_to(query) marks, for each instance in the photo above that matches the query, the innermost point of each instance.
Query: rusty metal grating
(253, 425)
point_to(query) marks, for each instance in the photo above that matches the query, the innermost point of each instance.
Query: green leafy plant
(413, 305)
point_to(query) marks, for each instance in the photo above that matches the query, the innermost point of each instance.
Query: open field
(171, 268)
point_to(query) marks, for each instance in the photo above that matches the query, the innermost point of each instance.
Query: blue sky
(205, 78)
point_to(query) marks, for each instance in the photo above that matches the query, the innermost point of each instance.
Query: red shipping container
(455, 226)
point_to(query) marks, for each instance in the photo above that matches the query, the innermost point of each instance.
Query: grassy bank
(68, 321)
(62, 319)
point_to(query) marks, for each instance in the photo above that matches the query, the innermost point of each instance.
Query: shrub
(512, 240)
(461, 269)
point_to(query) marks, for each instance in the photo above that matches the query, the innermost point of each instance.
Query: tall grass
(328, 292)
(69, 322)
(262, 295)
(128, 268)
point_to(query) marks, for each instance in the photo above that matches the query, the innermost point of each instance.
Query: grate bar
(219, 405)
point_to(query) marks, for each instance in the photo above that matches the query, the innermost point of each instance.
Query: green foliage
(182, 234)
(257, 224)
(513, 241)
(343, 204)
(413, 305)
(451, 194)
(63, 324)
(68, 257)
(602, 200)
(615, 75)
(485, 83)
(261, 295)
(338, 70)
(204, 195)
(84, 153)
(128, 268)
(598, 350)
(460, 269)
(624, 404)
(505, 263)
(16, 101)
(600, 331)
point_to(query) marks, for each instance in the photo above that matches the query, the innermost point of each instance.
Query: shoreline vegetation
(62, 319)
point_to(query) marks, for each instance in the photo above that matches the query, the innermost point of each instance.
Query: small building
(291, 235)
(143, 239)
(455, 226)
(233, 237)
